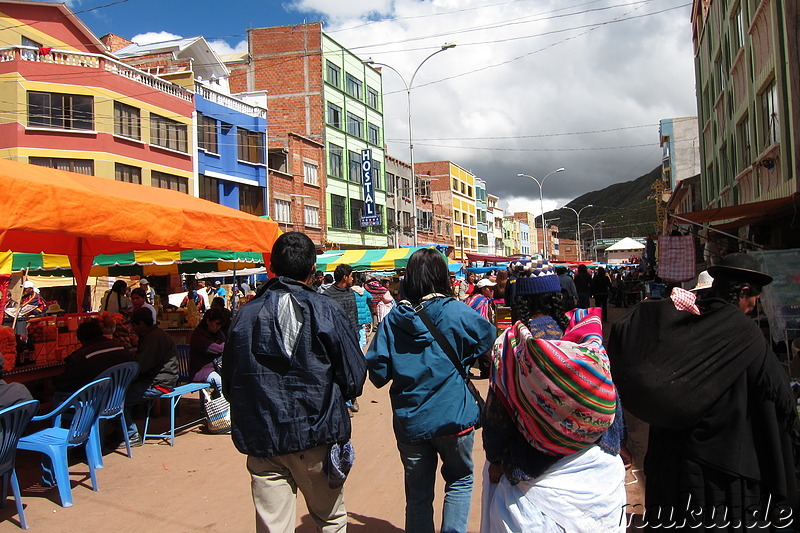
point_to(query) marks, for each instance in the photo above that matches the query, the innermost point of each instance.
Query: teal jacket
(429, 396)
(363, 298)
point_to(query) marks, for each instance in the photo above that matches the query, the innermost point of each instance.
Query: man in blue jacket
(291, 362)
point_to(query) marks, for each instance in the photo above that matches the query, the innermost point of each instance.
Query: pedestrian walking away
(291, 362)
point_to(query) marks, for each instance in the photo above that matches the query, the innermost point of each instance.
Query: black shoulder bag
(451, 354)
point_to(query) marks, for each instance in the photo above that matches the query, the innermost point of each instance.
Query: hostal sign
(370, 216)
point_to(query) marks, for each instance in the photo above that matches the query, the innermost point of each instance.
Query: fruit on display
(8, 347)
(42, 330)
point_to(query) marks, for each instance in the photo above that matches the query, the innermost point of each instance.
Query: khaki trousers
(274, 482)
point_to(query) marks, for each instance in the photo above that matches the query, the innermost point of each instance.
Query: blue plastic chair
(122, 375)
(54, 441)
(13, 421)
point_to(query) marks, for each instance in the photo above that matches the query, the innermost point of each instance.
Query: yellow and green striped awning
(379, 260)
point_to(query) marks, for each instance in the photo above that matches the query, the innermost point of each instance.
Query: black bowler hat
(740, 267)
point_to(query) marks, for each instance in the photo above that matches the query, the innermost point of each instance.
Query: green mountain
(626, 209)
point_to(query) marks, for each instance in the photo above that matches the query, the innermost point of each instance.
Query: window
(127, 173)
(356, 207)
(310, 174)
(391, 222)
(739, 28)
(372, 98)
(390, 183)
(337, 212)
(769, 115)
(167, 133)
(743, 144)
(334, 74)
(168, 181)
(207, 134)
(127, 121)
(407, 227)
(80, 166)
(209, 189)
(405, 187)
(439, 227)
(62, 111)
(455, 184)
(355, 125)
(334, 115)
(251, 199)
(376, 174)
(379, 227)
(424, 220)
(29, 55)
(354, 164)
(353, 86)
(283, 211)
(311, 214)
(335, 161)
(251, 146)
(424, 188)
(373, 134)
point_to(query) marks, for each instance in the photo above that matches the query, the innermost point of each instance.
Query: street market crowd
(690, 364)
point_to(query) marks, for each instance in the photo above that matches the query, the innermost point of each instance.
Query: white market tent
(621, 251)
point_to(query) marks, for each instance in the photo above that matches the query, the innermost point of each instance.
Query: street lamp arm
(442, 49)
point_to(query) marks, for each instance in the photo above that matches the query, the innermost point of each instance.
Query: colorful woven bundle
(560, 393)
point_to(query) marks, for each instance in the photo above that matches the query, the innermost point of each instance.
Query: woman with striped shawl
(552, 425)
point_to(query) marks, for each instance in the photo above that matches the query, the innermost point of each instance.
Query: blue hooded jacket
(429, 396)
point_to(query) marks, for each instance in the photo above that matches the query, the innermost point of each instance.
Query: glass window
(167, 133)
(61, 111)
(391, 221)
(455, 184)
(207, 134)
(337, 212)
(283, 211)
(251, 199)
(390, 182)
(405, 187)
(127, 173)
(209, 188)
(376, 174)
(743, 143)
(311, 214)
(356, 207)
(372, 98)
(127, 121)
(334, 115)
(333, 74)
(379, 227)
(310, 174)
(168, 181)
(335, 161)
(354, 164)
(771, 126)
(353, 86)
(80, 166)
(355, 125)
(373, 134)
(251, 146)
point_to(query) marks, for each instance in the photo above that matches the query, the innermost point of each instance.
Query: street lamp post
(541, 203)
(578, 228)
(594, 236)
(409, 86)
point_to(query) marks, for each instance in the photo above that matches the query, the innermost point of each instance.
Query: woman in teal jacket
(434, 412)
(363, 299)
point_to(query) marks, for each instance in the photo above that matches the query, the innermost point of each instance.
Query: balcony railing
(230, 102)
(94, 62)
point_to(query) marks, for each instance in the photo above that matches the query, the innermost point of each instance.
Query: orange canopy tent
(54, 211)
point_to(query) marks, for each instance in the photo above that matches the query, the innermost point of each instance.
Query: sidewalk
(201, 484)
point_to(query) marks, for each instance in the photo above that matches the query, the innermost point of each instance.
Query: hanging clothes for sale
(676, 257)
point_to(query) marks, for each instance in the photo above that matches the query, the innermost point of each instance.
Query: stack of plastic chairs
(13, 421)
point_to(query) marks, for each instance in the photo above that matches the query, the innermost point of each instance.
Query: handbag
(451, 354)
(217, 411)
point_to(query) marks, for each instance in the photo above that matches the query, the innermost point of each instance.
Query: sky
(530, 87)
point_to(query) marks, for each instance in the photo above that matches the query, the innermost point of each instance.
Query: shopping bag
(217, 411)
(676, 257)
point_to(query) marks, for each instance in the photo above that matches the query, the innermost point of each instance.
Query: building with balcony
(320, 91)
(481, 207)
(454, 200)
(511, 237)
(496, 231)
(524, 238)
(747, 63)
(229, 130)
(69, 104)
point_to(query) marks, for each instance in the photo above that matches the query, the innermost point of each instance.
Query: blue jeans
(138, 392)
(419, 461)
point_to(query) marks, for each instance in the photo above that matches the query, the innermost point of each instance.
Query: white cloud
(529, 104)
(221, 47)
(154, 37)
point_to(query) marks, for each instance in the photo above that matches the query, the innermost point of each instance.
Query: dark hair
(214, 313)
(561, 270)
(327, 279)
(89, 330)
(731, 290)
(218, 302)
(119, 286)
(293, 256)
(341, 271)
(138, 291)
(544, 303)
(319, 274)
(582, 269)
(143, 315)
(426, 272)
